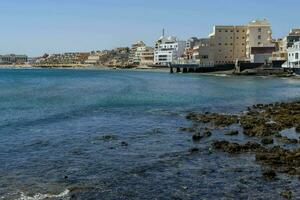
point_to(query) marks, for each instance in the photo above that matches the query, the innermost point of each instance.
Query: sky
(35, 27)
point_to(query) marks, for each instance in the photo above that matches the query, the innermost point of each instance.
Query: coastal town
(154, 100)
(246, 49)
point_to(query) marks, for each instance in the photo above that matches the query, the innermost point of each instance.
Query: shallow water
(52, 124)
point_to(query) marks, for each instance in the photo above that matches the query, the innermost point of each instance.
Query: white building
(168, 50)
(93, 59)
(134, 57)
(138, 53)
(293, 57)
(13, 59)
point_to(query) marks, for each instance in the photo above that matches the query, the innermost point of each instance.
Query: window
(237, 38)
(220, 44)
(297, 56)
(259, 37)
(259, 30)
(259, 43)
(237, 31)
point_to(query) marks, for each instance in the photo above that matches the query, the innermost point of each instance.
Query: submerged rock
(207, 133)
(124, 144)
(194, 150)
(286, 161)
(287, 194)
(297, 129)
(197, 137)
(267, 141)
(234, 148)
(219, 120)
(232, 133)
(269, 174)
(265, 122)
(288, 140)
(187, 129)
(107, 137)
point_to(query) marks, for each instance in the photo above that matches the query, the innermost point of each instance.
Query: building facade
(259, 34)
(291, 38)
(190, 44)
(168, 50)
(93, 59)
(261, 54)
(228, 43)
(147, 56)
(133, 59)
(231, 43)
(293, 56)
(280, 53)
(13, 59)
(202, 53)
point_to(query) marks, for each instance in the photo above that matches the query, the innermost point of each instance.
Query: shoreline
(87, 68)
(229, 73)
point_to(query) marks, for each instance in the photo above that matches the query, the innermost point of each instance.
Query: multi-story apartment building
(147, 56)
(144, 55)
(13, 59)
(259, 34)
(291, 38)
(93, 59)
(231, 43)
(202, 52)
(282, 45)
(280, 53)
(190, 44)
(132, 57)
(168, 50)
(228, 43)
(293, 56)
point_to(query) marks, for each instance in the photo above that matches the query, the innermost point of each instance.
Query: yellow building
(202, 52)
(281, 52)
(228, 43)
(259, 34)
(231, 43)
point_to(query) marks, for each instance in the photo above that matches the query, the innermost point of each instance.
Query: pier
(196, 68)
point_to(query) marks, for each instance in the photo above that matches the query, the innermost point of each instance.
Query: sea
(115, 134)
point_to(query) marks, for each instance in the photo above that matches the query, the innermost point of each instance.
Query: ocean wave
(221, 75)
(63, 195)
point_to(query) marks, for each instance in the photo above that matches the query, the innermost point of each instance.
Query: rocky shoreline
(262, 126)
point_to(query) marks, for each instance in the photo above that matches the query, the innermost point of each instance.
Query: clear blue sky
(34, 27)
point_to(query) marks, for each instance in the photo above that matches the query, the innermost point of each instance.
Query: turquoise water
(52, 123)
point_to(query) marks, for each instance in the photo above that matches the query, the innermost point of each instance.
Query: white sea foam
(63, 195)
(221, 75)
